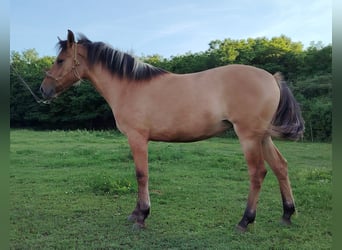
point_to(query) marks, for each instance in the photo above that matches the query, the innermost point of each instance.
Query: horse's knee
(262, 172)
(142, 176)
(257, 176)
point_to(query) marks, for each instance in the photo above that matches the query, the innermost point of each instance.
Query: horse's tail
(287, 122)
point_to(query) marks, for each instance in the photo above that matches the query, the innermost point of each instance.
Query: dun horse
(151, 104)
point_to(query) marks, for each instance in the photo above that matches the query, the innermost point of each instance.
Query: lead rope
(73, 69)
(38, 100)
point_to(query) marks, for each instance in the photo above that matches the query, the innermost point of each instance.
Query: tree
(80, 107)
(24, 111)
(317, 60)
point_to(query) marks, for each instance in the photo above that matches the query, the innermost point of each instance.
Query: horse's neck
(110, 87)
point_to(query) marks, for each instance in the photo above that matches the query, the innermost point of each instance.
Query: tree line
(307, 71)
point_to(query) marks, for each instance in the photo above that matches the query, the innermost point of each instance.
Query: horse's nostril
(43, 92)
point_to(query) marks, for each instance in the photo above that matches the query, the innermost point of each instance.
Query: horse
(152, 104)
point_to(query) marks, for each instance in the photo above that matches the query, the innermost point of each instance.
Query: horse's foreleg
(279, 166)
(257, 172)
(138, 145)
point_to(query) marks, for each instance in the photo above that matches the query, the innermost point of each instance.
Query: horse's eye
(60, 61)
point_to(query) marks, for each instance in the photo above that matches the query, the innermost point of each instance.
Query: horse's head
(67, 69)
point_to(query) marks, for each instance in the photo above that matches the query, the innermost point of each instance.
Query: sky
(167, 28)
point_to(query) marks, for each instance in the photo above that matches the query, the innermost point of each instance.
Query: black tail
(288, 122)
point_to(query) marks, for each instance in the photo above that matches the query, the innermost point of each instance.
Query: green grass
(74, 190)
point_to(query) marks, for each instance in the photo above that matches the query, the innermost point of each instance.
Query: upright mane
(118, 63)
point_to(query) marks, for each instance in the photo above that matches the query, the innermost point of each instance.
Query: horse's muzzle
(48, 91)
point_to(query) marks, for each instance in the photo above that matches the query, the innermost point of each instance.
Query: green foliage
(317, 60)
(307, 71)
(79, 107)
(315, 96)
(75, 189)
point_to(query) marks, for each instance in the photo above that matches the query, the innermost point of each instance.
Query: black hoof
(286, 221)
(138, 226)
(240, 229)
(247, 219)
(289, 210)
(138, 217)
(132, 218)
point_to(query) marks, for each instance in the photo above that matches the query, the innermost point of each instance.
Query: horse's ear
(71, 38)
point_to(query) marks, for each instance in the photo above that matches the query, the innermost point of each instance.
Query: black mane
(117, 62)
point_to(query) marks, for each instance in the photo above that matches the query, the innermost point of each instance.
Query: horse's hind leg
(252, 148)
(279, 167)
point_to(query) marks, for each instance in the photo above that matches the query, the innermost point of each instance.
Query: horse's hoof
(132, 218)
(138, 226)
(286, 222)
(240, 229)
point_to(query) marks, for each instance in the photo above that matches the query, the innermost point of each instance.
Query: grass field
(74, 190)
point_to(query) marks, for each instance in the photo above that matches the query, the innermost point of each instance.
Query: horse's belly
(189, 132)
